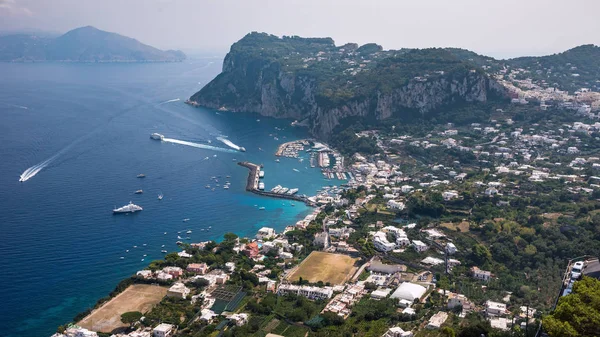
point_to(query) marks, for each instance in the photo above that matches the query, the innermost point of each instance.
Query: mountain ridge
(83, 44)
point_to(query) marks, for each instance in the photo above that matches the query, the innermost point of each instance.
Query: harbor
(253, 184)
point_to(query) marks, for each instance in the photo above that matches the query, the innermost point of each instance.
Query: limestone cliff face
(255, 84)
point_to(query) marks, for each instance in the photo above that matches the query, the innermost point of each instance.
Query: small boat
(188, 232)
(178, 243)
(226, 187)
(262, 208)
(139, 192)
(163, 246)
(258, 120)
(186, 220)
(134, 246)
(179, 237)
(207, 186)
(163, 251)
(141, 175)
(214, 155)
(160, 196)
(165, 233)
(209, 227)
(144, 245)
(127, 251)
(296, 170)
(292, 204)
(227, 176)
(142, 260)
(145, 255)
(157, 136)
(277, 160)
(122, 257)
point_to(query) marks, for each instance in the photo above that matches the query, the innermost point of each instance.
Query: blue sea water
(85, 128)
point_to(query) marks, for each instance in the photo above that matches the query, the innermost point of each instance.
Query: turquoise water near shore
(83, 130)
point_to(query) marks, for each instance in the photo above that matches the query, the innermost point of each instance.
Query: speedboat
(130, 208)
(186, 220)
(141, 175)
(226, 187)
(160, 196)
(139, 192)
(262, 208)
(189, 232)
(157, 136)
(163, 251)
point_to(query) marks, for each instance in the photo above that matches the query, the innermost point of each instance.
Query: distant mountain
(85, 44)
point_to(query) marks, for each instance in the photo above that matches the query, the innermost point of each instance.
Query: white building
(451, 248)
(162, 330)
(495, 308)
(436, 321)
(407, 188)
(321, 240)
(381, 242)
(178, 290)
(309, 292)
(397, 332)
(479, 274)
(450, 195)
(395, 204)
(76, 331)
(409, 291)
(265, 233)
(419, 246)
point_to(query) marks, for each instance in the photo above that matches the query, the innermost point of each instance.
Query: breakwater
(253, 180)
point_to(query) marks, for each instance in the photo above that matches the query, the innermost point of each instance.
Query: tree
(448, 332)
(577, 314)
(131, 317)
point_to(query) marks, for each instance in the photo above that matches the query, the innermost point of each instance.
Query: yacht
(160, 196)
(139, 192)
(276, 189)
(130, 208)
(157, 136)
(283, 190)
(292, 191)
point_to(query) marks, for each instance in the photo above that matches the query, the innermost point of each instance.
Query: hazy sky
(498, 28)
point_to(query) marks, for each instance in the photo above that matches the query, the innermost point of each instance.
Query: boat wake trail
(35, 169)
(196, 145)
(229, 143)
(171, 100)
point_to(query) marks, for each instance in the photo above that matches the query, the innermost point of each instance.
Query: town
(442, 228)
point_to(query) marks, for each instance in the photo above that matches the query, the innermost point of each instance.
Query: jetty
(253, 182)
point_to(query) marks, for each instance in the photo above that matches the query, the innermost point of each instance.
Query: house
(409, 291)
(144, 273)
(397, 332)
(207, 315)
(251, 250)
(162, 276)
(265, 233)
(419, 246)
(490, 191)
(407, 188)
(239, 319)
(198, 268)
(76, 331)
(322, 240)
(216, 276)
(495, 308)
(381, 242)
(309, 292)
(178, 290)
(162, 330)
(395, 204)
(450, 248)
(499, 323)
(450, 195)
(455, 300)
(176, 272)
(436, 321)
(479, 274)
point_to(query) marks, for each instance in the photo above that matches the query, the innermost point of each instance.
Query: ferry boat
(130, 208)
(157, 136)
(139, 192)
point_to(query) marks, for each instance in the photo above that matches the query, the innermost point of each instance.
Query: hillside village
(432, 225)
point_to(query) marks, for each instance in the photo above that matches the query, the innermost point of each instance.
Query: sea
(74, 138)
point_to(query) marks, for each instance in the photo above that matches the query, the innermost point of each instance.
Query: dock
(253, 181)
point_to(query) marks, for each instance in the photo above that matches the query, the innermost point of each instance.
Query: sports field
(326, 267)
(138, 297)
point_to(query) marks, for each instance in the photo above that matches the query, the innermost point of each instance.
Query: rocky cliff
(312, 80)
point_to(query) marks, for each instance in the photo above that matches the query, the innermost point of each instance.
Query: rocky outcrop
(257, 84)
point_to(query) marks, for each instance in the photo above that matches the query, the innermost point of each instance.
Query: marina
(253, 185)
